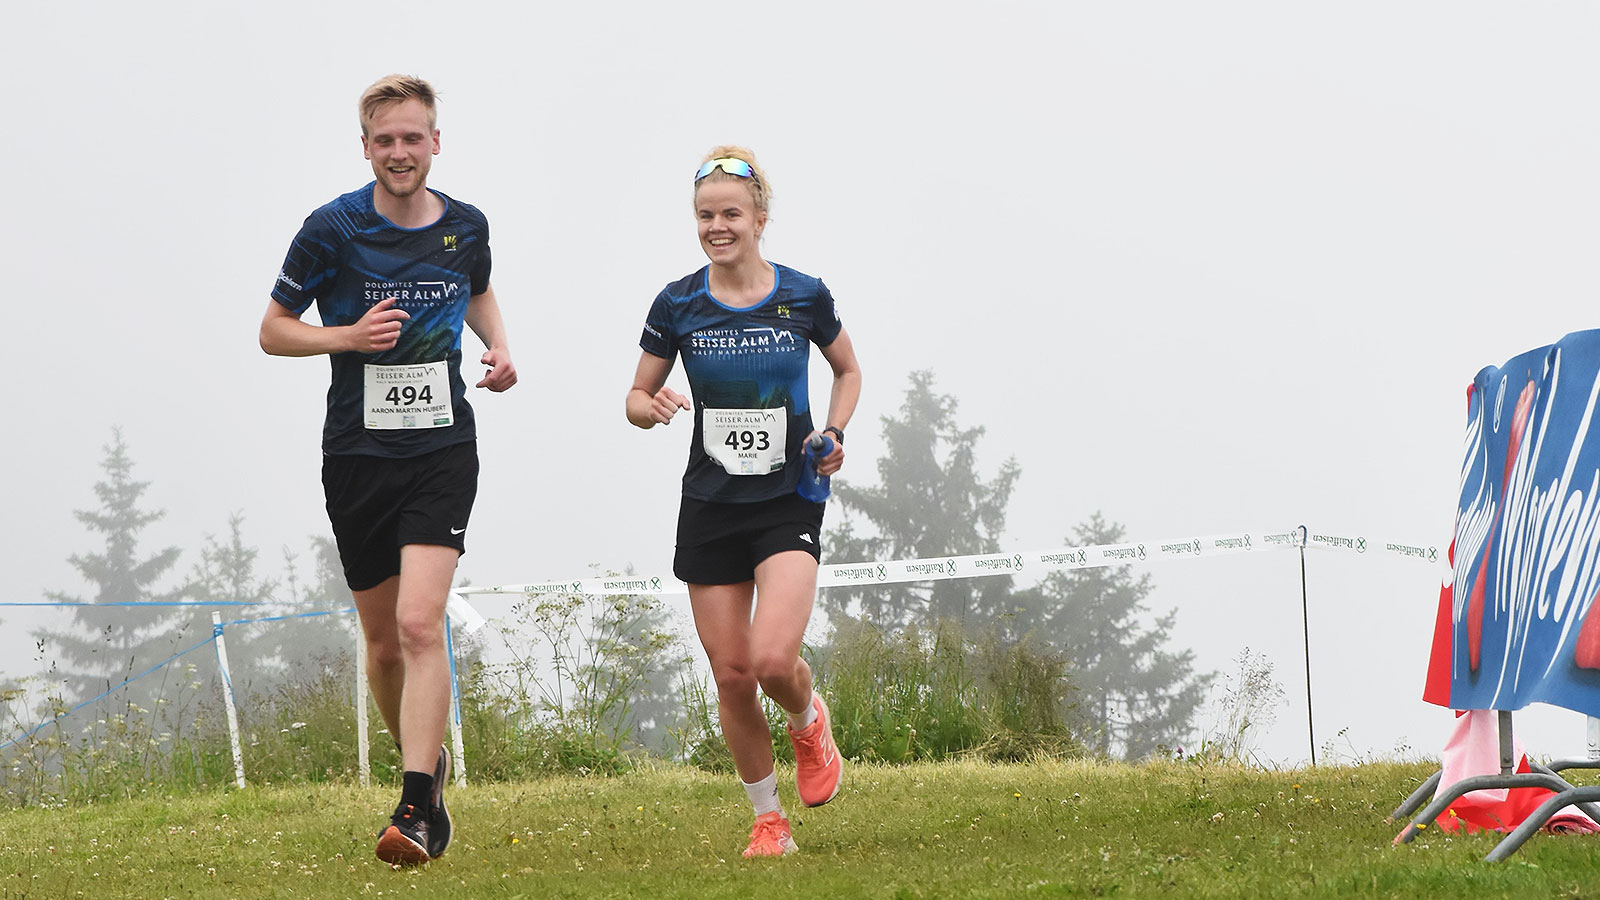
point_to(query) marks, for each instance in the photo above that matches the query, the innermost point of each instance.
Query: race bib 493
(746, 441)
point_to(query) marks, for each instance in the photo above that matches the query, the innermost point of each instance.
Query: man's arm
(283, 334)
(483, 317)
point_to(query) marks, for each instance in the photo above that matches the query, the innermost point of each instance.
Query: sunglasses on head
(727, 164)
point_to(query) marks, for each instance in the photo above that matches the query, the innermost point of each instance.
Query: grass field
(963, 829)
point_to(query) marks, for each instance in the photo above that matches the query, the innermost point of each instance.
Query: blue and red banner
(1523, 625)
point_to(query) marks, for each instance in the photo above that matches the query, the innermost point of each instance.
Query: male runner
(395, 269)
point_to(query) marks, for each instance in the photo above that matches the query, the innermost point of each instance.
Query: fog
(1200, 267)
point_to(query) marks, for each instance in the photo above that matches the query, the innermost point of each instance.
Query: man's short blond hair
(394, 89)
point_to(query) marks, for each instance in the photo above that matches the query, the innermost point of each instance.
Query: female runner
(744, 327)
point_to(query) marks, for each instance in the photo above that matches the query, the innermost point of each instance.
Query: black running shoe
(405, 841)
(439, 822)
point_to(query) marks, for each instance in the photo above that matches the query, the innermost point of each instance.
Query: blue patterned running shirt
(747, 371)
(348, 257)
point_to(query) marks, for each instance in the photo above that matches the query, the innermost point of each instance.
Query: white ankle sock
(764, 794)
(799, 721)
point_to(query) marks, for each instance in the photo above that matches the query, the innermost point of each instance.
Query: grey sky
(1202, 267)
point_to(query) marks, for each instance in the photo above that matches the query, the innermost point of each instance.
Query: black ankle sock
(417, 790)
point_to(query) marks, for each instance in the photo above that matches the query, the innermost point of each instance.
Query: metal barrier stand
(1538, 776)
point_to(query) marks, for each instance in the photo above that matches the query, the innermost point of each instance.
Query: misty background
(1199, 267)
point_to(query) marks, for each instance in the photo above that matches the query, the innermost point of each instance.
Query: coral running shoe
(405, 841)
(817, 766)
(770, 837)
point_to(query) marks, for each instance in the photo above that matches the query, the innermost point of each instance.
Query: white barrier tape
(1359, 544)
(1322, 541)
(462, 614)
(630, 584)
(901, 571)
(1431, 555)
(1065, 558)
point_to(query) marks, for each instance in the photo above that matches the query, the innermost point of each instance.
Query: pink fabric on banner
(1474, 749)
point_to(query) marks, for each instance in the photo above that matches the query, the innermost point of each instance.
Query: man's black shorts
(378, 505)
(721, 543)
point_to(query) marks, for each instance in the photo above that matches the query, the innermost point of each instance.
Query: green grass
(963, 829)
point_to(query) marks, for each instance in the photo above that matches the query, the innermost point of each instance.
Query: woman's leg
(722, 619)
(786, 588)
(786, 585)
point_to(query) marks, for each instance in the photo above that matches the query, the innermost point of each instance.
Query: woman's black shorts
(721, 543)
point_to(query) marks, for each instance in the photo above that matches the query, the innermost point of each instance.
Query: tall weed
(924, 695)
(576, 678)
(1246, 708)
(577, 709)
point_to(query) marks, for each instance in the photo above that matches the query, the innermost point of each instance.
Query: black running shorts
(377, 505)
(721, 543)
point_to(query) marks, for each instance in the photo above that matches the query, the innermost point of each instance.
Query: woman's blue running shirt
(744, 358)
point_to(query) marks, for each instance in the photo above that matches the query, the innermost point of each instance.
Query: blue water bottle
(812, 486)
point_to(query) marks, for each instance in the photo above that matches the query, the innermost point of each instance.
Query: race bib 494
(397, 397)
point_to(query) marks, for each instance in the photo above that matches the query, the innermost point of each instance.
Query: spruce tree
(113, 643)
(318, 643)
(1133, 694)
(226, 575)
(930, 502)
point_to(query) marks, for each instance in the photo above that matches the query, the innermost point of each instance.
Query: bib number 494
(406, 397)
(409, 395)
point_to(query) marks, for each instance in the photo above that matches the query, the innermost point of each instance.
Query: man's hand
(379, 329)
(502, 374)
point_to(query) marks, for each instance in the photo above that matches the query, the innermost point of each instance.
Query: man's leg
(426, 571)
(386, 669)
(419, 830)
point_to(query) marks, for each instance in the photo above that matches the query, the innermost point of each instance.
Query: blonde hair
(394, 89)
(760, 188)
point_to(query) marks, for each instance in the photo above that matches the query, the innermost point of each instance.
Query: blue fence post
(458, 747)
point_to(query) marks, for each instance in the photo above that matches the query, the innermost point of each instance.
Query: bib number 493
(746, 441)
(749, 440)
